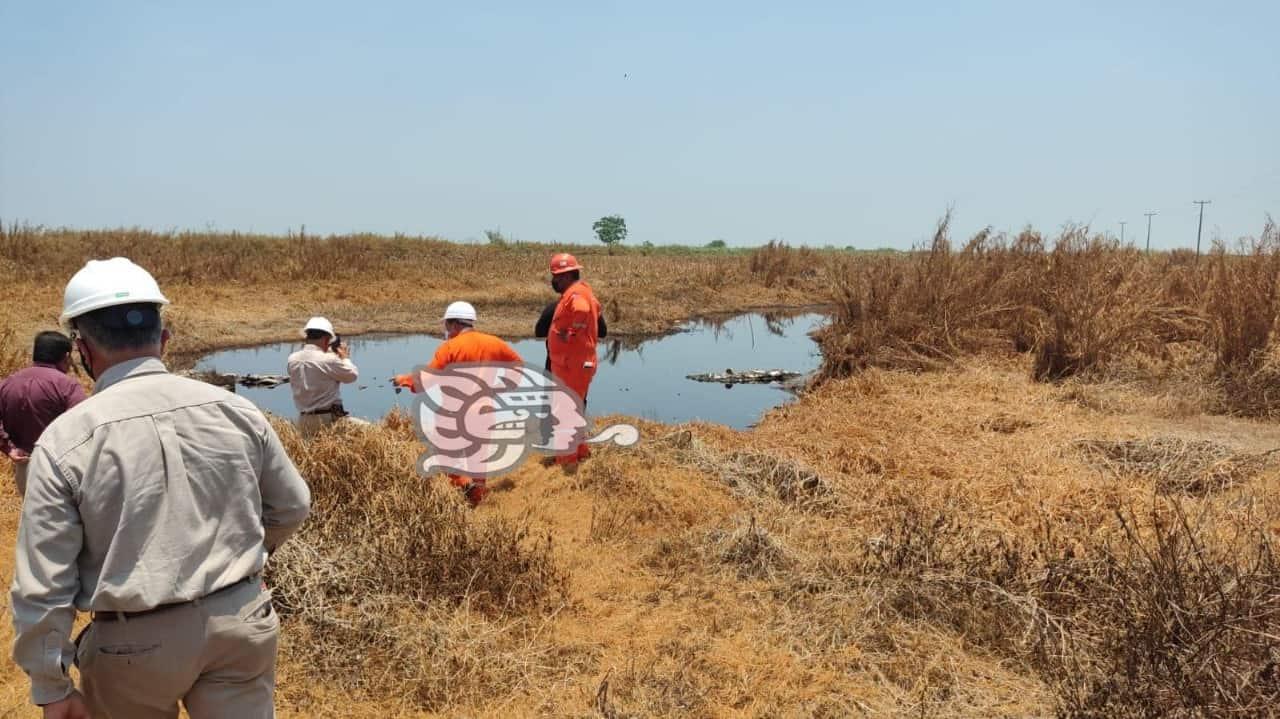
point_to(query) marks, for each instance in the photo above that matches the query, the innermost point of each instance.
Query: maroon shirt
(30, 399)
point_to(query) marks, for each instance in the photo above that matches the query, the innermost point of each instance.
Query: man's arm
(46, 579)
(509, 354)
(543, 327)
(73, 395)
(442, 357)
(579, 318)
(286, 499)
(5, 446)
(341, 369)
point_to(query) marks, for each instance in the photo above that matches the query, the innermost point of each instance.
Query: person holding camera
(316, 373)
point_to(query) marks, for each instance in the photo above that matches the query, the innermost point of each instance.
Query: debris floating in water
(746, 376)
(230, 379)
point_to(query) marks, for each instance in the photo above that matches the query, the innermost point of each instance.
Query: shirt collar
(127, 369)
(46, 365)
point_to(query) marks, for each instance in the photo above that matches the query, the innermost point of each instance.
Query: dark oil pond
(641, 378)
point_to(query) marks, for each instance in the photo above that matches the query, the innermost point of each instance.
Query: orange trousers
(580, 383)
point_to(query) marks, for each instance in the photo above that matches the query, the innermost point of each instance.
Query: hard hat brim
(109, 299)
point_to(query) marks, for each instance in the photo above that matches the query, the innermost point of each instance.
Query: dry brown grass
(1081, 305)
(237, 289)
(395, 587)
(1176, 465)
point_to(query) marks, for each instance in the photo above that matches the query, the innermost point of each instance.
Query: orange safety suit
(467, 346)
(571, 345)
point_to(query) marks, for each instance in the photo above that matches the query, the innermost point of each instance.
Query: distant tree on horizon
(611, 230)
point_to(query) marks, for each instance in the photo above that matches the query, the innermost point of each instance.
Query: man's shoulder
(27, 372)
(140, 396)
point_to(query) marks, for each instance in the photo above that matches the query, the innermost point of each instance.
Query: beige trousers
(217, 656)
(309, 424)
(20, 475)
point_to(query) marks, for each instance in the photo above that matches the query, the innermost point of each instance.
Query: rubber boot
(476, 492)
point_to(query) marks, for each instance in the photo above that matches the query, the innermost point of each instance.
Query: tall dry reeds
(1081, 304)
(779, 263)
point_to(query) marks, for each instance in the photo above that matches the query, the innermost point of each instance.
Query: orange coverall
(469, 346)
(572, 346)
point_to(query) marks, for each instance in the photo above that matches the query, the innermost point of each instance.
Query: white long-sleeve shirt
(156, 489)
(315, 376)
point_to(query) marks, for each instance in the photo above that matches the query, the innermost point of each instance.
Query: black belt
(336, 410)
(113, 616)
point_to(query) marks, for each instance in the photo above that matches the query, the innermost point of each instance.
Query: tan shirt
(156, 489)
(314, 376)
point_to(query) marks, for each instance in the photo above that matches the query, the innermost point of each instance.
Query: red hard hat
(564, 262)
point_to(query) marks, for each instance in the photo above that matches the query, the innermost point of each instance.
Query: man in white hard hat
(316, 373)
(464, 343)
(153, 505)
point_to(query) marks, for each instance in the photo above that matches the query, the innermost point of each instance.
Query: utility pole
(1201, 203)
(1122, 224)
(1149, 214)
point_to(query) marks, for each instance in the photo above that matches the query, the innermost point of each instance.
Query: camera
(333, 345)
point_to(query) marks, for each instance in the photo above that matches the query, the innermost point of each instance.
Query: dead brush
(1176, 617)
(1244, 298)
(750, 549)
(777, 263)
(675, 682)
(926, 311)
(385, 548)
(1099, 302)
(1083, 305)
(439, 655)
(1243, 303)
(1177, 466)
(756, 474)
(929, 566)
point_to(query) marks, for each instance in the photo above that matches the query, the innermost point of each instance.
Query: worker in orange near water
(571, 343)
(464, 344)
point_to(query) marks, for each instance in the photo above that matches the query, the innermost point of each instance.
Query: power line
(1149, 216)
(1200, 227)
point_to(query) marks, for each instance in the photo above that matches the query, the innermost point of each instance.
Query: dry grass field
(1036, 478)
(230, 289)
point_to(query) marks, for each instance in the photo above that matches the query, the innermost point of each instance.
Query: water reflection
(639, 376)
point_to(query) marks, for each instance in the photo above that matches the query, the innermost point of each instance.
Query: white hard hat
(461, 311)
(319, 323)
(108, 283)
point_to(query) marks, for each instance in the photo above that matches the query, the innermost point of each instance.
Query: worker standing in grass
(316, 373)
(575, 329)
(465, 344)
(152, 505)
(542, 331)
(32, 398)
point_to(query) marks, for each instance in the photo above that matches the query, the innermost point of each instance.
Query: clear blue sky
(835, 122)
